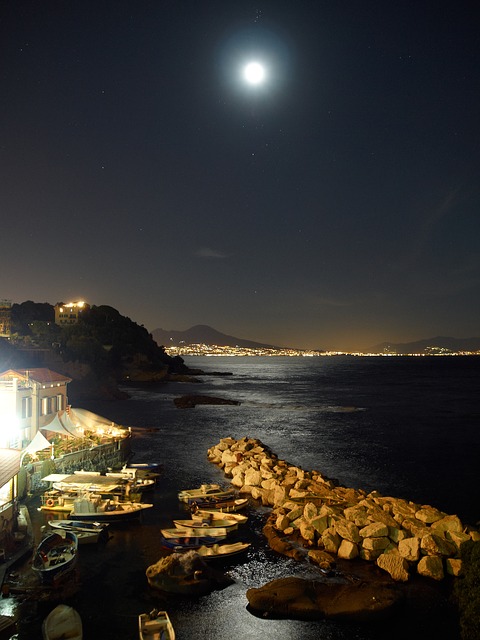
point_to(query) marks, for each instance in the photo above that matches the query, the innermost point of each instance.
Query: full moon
(254, 73)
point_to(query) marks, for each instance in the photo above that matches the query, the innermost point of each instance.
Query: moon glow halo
(254, 73)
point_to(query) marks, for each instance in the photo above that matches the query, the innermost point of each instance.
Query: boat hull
(209, 524)
(119, 513)
(62, 622)
(55, 556)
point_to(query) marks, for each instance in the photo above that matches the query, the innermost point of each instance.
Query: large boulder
(313, 600)
(185, 573)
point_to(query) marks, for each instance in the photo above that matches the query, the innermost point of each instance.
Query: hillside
(103, 349)
(428, 345)
(203, 334)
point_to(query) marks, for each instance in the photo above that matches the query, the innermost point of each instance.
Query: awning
(63, 425)
(37, 444)
(9, 464)
(90, 420)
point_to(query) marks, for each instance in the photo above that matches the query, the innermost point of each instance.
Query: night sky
(335, 205)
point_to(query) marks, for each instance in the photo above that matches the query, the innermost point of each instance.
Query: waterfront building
(29, 400)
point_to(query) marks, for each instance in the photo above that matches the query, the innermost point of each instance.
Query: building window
(44, 409)
(60, 405)
(26, 407)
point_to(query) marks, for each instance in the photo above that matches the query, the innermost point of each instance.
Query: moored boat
(95, 508)
(62, 622)
(215, 503)
(86, 532)
(155, 625)
(56, 501)
(187, 543)
(55, 556)
(208, 524)
(221, 551)
(219, 533)
(205, 491)
(212, 516)
(136, 479)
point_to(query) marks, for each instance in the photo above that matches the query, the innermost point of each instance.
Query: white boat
(86, 532)
(155, 625)
(62, 622)
(219, 504)
(93, 507)
(213, 516)
(220, 551)
(205, 491)
(207, 524)
(220, 533)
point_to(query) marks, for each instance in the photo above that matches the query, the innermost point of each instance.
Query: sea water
(404, 426)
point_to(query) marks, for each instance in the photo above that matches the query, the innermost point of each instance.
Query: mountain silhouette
(424, 346)
(203, 334)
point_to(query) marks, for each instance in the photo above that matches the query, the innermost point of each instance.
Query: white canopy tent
(38, 443)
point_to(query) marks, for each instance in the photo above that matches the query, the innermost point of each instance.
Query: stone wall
(401, 537)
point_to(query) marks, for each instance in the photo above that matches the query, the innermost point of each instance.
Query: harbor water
(404, 426)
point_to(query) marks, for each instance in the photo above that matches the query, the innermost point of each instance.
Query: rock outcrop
(186, 574)
(313, 600)
(312, 514)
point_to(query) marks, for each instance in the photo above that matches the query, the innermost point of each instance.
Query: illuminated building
(5, 318)
(67, 313)
(29, 399)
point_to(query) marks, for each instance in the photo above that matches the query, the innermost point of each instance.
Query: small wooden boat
(205, 491)
(206, 524)
(97, 509)
(221, 551)
(155, 625)
(86, 532)
(55, 556)
(216, 516)
(215, 503)
(220, 533)
(62, 622)
(187, 543)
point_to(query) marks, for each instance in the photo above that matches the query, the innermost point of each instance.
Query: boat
(221, 551)
(206, 524)
(86, 532)
(187, 543)
(87, 481)
(55, 556)
(93, 507)
(62, 622)
(56, 501)
(213, 516)
(137, 478)
(220, 533)
(155, 625)
(204, 491)
(214, 503)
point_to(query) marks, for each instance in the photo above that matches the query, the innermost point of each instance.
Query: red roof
(41, 375)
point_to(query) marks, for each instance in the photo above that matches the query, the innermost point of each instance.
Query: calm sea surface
(406, 427)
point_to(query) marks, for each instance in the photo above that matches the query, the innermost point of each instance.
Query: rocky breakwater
(313, 516)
